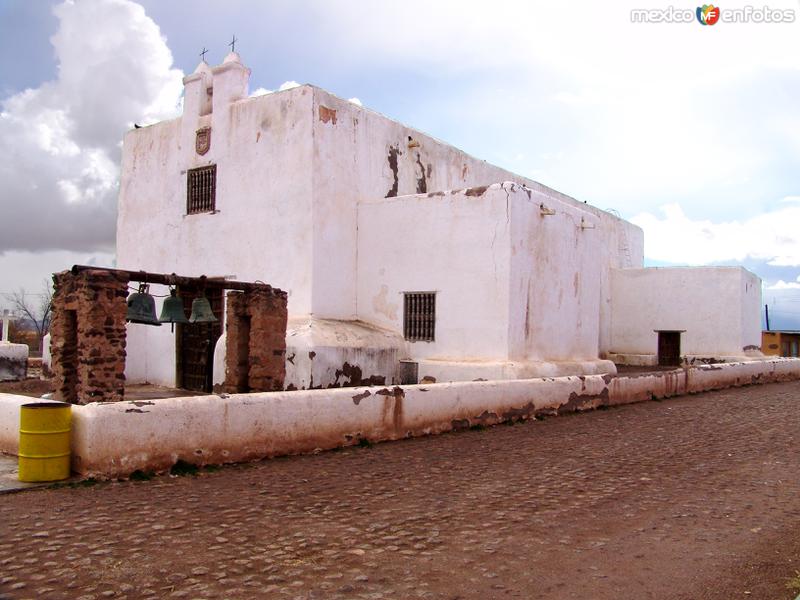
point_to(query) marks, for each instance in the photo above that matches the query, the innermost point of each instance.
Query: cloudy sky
(690, 131)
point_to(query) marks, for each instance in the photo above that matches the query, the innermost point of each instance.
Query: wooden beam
(189, 282)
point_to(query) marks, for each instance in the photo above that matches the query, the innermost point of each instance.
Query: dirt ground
(694, 498)
(27, 387)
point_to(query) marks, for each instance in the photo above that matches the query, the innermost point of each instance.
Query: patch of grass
(364, 443)
(139, 475)
(477, 427)
(793, 584)
(183, 468)
(211, 468)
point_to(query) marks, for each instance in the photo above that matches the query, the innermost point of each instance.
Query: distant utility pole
(766, 311)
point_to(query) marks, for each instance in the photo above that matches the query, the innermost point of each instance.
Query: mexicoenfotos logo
(708, 14)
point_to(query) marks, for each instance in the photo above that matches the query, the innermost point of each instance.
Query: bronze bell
(201, 311)
(142, 307)
(172, 309)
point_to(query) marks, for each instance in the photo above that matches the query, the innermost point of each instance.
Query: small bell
(201, 311)
(142, 307)
(172, 309)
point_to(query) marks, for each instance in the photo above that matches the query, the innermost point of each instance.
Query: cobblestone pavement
(695, 497)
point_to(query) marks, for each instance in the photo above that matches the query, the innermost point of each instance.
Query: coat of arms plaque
(203, 141)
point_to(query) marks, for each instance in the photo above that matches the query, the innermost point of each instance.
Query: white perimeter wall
(116, 438)
(717, 306)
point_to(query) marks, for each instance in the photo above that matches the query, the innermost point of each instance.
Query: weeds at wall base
(90, 482)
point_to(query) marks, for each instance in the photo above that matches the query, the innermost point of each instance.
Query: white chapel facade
(403, 257)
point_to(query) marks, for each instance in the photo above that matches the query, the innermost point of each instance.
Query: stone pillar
(87, 340)
(237, 344)
(255, 342)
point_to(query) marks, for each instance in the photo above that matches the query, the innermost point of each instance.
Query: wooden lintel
(180, 280)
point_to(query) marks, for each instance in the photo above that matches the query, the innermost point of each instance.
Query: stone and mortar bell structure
(89, 330)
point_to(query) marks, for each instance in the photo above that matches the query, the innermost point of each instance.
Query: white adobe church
(404, 258)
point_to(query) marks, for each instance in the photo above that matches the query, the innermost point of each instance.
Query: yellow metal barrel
(44, 429)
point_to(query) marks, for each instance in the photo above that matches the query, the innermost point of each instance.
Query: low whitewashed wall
(13, 361)
(9, 421)
(113, 440)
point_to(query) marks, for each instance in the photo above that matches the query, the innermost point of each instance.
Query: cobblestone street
(690, 498)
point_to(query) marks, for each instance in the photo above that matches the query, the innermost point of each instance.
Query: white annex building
(404, 258)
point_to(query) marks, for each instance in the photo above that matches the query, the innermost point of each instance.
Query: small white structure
(13, 357)
(717, 309)
(404, 258)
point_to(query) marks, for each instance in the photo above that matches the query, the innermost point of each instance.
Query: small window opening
(201, 190)
(419, 316)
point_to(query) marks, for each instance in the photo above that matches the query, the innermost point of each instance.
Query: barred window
(201, 190)
(419, 316)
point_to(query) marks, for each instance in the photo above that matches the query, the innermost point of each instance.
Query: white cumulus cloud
(673, 237)
(60, 142)
(786, 285)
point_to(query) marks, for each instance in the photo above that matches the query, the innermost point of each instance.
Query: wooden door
(195, 343)
(669, 348)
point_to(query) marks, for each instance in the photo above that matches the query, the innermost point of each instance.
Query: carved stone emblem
(203, 141)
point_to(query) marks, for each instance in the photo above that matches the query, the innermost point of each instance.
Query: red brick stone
(255, 341)
(88, 336)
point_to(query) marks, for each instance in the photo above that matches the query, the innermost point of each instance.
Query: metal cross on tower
(203, 54)
(233, 43)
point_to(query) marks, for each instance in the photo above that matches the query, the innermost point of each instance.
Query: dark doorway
(195, 343)
(669, 348)
(242, 380)
(70, 356)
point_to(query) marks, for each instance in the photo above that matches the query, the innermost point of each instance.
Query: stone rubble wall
(255, 341)
(87, 332)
